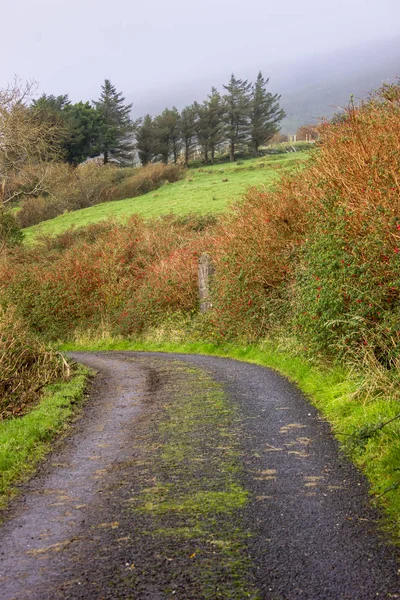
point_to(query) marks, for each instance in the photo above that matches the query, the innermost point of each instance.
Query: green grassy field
(203, 190)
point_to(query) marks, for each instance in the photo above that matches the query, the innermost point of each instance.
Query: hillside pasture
(203, 190)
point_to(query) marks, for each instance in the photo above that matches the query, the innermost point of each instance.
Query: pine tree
(84, 127)
(210, 124)
(215, 118)
(202, 129)
(79, 125)
(188, 129)
(265, 114)
(49, 106)
(116, 136)
(167, 127)
(237, 113)
(146, 140)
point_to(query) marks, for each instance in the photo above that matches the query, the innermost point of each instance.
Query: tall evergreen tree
(167, 126)
(237, 113)
(79, 125)
(50, 106)
(174, 121)
(202, 129)
(265, 113)
(116, 136)
(162, 138)
(188, 130)
(146, 140)
(84, 127)
(215, 118)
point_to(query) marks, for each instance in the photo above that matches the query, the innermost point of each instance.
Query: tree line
(103, 127)
(245, 116)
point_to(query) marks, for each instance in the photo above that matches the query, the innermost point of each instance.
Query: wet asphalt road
(314, 534)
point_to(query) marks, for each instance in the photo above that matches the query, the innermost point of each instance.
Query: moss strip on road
(189, 497)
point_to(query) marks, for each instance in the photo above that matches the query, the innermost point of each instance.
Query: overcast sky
(147, 48)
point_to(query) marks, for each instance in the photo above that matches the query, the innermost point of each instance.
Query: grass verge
(26, 440)
(335, 391)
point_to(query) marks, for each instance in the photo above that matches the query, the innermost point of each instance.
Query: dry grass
(26, 366)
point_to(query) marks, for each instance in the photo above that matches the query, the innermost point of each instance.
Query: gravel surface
(314, 535)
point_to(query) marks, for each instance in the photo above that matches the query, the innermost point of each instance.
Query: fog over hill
(311, 88)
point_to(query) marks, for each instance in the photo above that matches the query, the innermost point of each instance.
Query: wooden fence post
(206, 272)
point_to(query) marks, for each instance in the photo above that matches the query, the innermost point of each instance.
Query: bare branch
(26, 140)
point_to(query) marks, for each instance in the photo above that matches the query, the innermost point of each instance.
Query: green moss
(203, 502)
(194, 505)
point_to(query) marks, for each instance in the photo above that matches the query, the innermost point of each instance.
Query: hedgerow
(124, 277)
(348, 280)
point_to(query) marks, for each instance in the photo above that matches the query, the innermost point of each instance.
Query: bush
(26, 366)
(72, 236)
(348, 289)
(149, 178)
(35, 210)
(10, 234)
(69, 188)
(169, 287)
(253, 250)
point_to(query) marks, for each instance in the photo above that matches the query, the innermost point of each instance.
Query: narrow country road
(194, 477)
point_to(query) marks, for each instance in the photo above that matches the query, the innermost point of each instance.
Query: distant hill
(310, 88)
(325, 84)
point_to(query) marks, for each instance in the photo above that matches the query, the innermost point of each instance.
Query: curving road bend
(314, 535)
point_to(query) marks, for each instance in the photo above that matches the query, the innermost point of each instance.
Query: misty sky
(70, 47)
